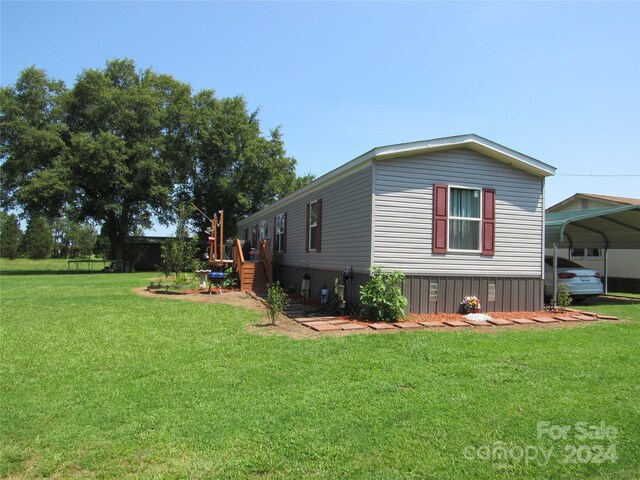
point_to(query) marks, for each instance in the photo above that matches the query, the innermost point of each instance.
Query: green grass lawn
(97, 382)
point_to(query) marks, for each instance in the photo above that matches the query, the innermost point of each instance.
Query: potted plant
(471, 305)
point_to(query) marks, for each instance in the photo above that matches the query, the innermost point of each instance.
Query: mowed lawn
(98, 382)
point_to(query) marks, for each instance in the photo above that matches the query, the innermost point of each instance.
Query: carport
(605, 228)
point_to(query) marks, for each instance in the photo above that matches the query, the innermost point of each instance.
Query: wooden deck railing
(238, 259)
(265, 258)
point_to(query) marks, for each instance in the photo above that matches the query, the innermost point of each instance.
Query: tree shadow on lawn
(606, 300)
(47, 272)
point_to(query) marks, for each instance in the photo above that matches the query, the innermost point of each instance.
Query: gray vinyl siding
(403, 215)
(345, 229)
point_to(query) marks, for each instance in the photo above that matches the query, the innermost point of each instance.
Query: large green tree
(123, 145)
(10, 236)
(233, 166)
(38, 238)
(33, 175)
(128, 139)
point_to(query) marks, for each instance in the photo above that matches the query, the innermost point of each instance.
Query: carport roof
(616, 227)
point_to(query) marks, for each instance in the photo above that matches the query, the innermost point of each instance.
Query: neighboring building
(623, 266)
(458, 215)
(144, 253)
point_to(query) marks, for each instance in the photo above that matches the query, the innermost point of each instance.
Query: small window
(263, 230)
(464, 219)
(254, 236)
(280, 232)
(585, 252)
(313, 226)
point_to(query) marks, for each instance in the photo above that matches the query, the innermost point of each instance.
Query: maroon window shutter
(319, 222)
(440, 218)
(488, 221)
(308, 217)
(284, 236)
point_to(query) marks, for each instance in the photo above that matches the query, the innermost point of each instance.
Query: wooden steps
(254, 278)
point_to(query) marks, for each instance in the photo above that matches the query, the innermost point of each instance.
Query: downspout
(555, 275)
(606, 272)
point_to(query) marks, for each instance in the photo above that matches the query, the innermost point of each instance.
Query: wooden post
(220, 238)
(212, 243)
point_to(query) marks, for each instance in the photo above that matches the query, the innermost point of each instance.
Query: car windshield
(562, 263)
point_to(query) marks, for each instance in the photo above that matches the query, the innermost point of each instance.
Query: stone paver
(522, 321)
(607, 317)
(407, 325)
(478, 323)
(544, 319)
(586, 318)
(500, 321)
(566, 318)
(308, 321)
(381, 326)
(338, 322)
(432, 324)
(456, 323)
(324, 327)
(352, 326)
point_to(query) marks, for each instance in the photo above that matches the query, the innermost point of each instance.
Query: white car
(581, 282)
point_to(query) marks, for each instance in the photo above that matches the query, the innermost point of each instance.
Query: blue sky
(557, 81)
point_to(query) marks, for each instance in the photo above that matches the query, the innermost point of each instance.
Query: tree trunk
(117, 230)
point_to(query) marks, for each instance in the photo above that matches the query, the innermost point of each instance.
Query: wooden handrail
(238, 256)
(265, 256)
(238, 260)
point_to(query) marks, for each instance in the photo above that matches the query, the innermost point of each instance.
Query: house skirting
(434, 294)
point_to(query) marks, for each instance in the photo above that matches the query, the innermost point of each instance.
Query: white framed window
(280, 233)
(313, 226)
(263, 230)
(465, 220)
(254, 235)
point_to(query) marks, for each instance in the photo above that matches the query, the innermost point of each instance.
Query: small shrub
(563, 299)
(230, 280)
(277, 301)
(182, 280)
(382, 297)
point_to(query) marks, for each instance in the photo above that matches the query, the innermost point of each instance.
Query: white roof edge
(473, 141)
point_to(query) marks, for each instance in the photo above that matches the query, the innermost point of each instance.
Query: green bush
(563, 299)
(382, 297)
(277, 301)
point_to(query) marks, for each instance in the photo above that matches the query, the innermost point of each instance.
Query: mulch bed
(561, 318)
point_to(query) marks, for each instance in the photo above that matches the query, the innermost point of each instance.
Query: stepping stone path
(332, 324)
